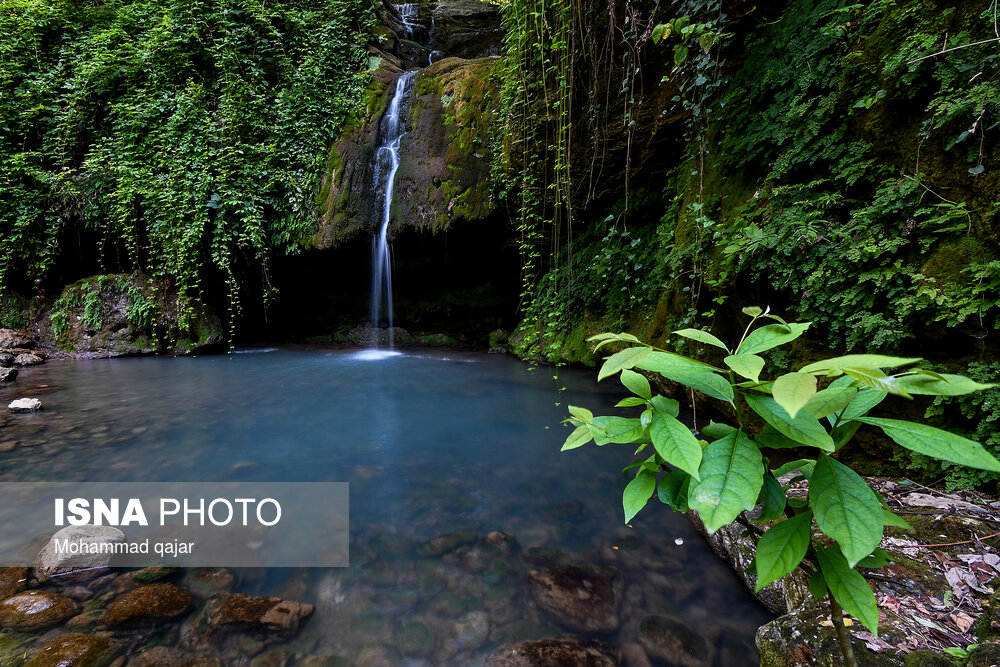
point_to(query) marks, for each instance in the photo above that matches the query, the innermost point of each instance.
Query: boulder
(163, 656)
(443, 544)
(31, 611)
(6, 359)
(53, 563)
(228, 622)
(12, 580)
(149, 604)
(561, 652)
(25, 405)
(581, 599)
(8, 374)
(75, 650)
(28, 359)
(121, 314)
(13, 338)
(672, 642)
(466, 28)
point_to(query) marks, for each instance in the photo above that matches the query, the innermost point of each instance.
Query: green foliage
(820, 406)
(189, 134)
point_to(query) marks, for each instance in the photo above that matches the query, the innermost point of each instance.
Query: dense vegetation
(183, 139)
(833, 159)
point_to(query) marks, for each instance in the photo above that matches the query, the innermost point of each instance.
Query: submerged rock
(83, 566)
(446, 543)
(12, 580)
(163, 656)
(75, 650)
(8, 374)
(674, 643)
(562, 652)
(152, 603)
(32, 611)
(232, 622)
(25, 405)
(582, 599)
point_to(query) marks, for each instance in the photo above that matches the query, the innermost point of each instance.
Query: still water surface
(432, 443)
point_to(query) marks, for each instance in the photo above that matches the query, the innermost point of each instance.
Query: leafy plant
(819, 407)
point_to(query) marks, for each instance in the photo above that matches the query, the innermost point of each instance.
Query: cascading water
(386, 164)
(408, 12)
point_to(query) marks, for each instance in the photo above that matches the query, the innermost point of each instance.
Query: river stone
(228, 612)
(53, 563)
(416, 639)
(446, 543)
(6, 359)
(148, 575)
(152, 603)
(674, 643)
(28, 359)
(12, 338)
(470, 632)
(8, 374)
(12, 580)
(31, 611)
(544, 556)
(205, 582)
(561, 652)
(501, 543)
(75, 650)
(25, 405)
(582, 599)
(163, 656)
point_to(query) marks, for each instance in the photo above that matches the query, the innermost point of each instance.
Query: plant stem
(837, 617)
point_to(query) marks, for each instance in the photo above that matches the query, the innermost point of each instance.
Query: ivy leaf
(771, 336)
(732, 472)
(680, 55)
(746, 365)
(848, 587)
(636, 383)
(803, 428)
(637, 493)
(701, 337)
(772, 499)
(578, 438)
(627, 358)
(793, 390)
(700, 377)
(675, 443)
(782, 548)
(935, 443)
(846, 508)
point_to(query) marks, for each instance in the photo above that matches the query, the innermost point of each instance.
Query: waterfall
(407, 13)
(386, 164)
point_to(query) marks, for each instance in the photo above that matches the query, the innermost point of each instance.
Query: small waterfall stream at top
(386, 164)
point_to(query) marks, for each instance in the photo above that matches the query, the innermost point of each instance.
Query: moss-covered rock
(445, 156)
(120, 314)
(466, 28)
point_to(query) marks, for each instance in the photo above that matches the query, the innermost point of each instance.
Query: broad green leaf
(943, 385)
(775, 440)
(772, 499)
(862, 404)
(782, 548)
(892, 519)
(715, 430)
(803, 428)
(732, 472)
(667, 405)
(805, 466)
(752, 311)
(817, 585)
(935, 443)
(615, 429)
(689, 372)
(843, 433)
(637, 493)
(672, 490)
(701, 337)
(630, 402)
(771, 336)
(846, 508)
(605, 338)
(746, 365)
(636, 384)
(675, 443)
(792, 391)
(583, 414)
(578, 438)
(830, 401)
(627, 358)
(836, 365)
(875, 560)
(646, 418)
(848, 587)
(875, 379)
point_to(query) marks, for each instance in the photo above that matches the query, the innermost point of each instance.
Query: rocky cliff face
(445, 157)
